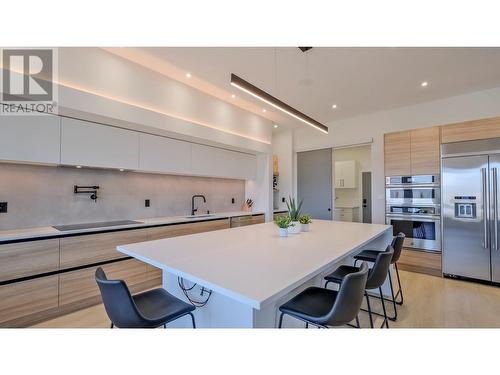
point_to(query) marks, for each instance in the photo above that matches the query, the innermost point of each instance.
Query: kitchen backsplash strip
(43, 196)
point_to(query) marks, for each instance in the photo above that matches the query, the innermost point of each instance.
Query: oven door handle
(426, 218)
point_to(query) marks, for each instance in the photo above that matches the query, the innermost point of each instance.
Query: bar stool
(375, 280)
(325, 307)
(150, 309)
(371, 256)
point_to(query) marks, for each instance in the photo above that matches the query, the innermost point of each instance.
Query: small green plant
(305, 219)
(282, 221)
(293, 209)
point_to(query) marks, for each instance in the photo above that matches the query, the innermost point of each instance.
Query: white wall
(362, 129)
(283, 148)
(352, 197)
(99, 83)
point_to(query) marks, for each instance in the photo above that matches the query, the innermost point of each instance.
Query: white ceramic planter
(304, 227)
(294, 227)
(283, 232)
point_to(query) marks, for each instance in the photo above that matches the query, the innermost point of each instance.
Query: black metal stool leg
(192, 319)
(357, 321)
(164, 326)
(307, 325)
(400, 291)
(383, 308)
(369, 309)
(281, 320)
(395, 317)
(112, 325)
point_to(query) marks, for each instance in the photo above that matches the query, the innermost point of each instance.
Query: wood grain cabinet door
(471, 130)
(27, 298)
(243, 221)
(79, 288)
(28, 258)
(397, 154)
(425, 151)
(185, 229)
(88, 249)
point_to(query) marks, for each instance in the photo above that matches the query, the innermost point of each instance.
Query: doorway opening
(352, 185)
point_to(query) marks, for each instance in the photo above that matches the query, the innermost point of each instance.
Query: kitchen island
(250, 270)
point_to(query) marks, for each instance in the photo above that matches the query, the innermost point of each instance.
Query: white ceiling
(358, 80)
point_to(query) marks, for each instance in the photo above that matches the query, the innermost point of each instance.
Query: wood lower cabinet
(20, 301)
(87, 249)
(184, 229)
(420, 261)
(28, 258)
(78, 289)
(242, 221)
(397, 154)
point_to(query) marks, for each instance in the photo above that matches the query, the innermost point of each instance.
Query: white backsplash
(43, 195)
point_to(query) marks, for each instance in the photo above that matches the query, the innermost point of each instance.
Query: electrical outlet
(283, 199)
(232, 200)
(3, 207)
(147, 203)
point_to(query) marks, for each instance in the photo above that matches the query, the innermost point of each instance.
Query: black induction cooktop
(102, 224)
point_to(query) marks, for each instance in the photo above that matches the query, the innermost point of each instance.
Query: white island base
(252, 271)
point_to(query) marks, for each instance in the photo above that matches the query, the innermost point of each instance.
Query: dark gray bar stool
(150, 309)
(376, 278)
(324, 307)
(371, 256)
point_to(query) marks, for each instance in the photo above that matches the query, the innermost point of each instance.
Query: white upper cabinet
(94, 145)
(30, 138)
(346, 174)
(164, 155)
(216, 162)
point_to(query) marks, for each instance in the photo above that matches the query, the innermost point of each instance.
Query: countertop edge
(41, 232)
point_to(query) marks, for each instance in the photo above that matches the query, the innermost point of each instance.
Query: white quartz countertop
(47, 232)
(253, 264)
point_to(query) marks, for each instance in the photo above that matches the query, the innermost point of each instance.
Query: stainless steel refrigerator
(470, 203)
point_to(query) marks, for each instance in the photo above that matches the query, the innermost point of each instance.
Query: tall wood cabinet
(413, 152)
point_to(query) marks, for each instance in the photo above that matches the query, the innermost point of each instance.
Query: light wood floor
(429, 302)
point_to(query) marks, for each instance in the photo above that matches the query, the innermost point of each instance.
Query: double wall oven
(413, 207)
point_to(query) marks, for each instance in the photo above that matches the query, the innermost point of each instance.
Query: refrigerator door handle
(495, 207)
(485, 220)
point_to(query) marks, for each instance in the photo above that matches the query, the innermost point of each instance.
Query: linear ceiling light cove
(276, 103)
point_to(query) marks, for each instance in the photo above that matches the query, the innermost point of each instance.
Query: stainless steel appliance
(413, 207)
(470, 209)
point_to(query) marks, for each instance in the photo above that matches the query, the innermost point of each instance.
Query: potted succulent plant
(283, 222)
(294, 214)
(305, 220)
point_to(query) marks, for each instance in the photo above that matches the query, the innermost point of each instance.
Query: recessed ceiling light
(334, 106)
(264, 110)
(188, 75)
(78, 166)
(275, 126)
(424, 84)
(233, 96)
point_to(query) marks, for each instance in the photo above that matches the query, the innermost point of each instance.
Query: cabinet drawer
(242, 221)
(184, 229)
(82, 250)
(28, 297)
(28, 258)
(80, 287)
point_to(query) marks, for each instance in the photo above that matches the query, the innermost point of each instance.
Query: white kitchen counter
(48, 232)
(251, 269)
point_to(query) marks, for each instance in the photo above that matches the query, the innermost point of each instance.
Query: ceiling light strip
(250, 89)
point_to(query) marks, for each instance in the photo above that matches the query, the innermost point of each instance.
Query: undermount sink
(198, 216)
